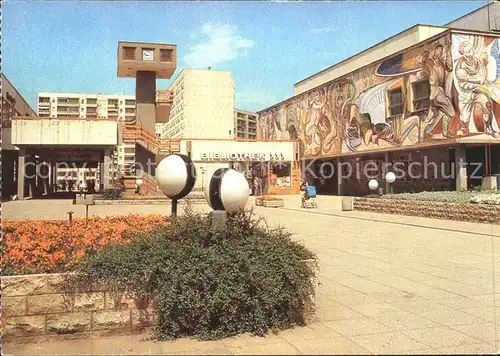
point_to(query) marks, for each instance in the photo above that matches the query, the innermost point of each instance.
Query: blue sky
(268, 46)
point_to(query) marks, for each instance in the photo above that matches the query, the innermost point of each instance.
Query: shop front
(270, 167)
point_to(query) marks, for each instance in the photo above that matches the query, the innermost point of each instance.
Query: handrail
(170, 144)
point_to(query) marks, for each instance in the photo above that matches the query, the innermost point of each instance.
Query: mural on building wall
(448, 88)
(477, 80)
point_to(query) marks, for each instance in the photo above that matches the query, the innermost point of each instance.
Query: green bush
(212, 284)
(111, 194)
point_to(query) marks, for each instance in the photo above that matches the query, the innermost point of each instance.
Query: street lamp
(176, 175)
(139, 183)
(373, 184)
(226, 192)
(390, 178)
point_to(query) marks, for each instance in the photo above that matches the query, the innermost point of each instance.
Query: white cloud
(221, 43)
(254, 99)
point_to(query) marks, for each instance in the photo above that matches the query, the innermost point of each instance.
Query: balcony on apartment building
(68, 101)
(91, 102)
(129, 103)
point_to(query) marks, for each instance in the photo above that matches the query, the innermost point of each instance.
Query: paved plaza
(389, 285)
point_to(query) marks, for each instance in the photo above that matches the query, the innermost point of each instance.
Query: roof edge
(367, 49)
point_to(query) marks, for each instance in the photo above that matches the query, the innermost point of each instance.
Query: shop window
(395, 97)
(421, 92)
(280, 175)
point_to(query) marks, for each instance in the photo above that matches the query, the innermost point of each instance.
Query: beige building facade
(113, 107)
(245, 124)
(13, 105)
(202, 107)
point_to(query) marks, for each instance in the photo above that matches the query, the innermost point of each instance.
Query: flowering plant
(52, 246)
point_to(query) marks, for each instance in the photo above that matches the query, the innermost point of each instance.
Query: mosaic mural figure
(437, 64)
(471, 77)
(389, 104)
(320, 130)
(267, 126)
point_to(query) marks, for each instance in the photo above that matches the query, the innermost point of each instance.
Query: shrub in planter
(111, 194)
(208, 283)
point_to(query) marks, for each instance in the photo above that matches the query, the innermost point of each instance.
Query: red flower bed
(52, 246)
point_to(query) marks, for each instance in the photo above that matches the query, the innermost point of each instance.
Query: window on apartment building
(112, 101)
(166, 55)
(395, 97)
(44, 100)
(129, 102)
(421, 91)
(83, 101)
(129, 53)
(129, 110)
(121, 110)
(129, 150)
(91, 101)
(121, 102)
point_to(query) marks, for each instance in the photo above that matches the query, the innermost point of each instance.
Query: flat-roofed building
(427, 96)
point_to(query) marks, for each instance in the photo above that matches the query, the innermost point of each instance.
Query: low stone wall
(481, 213)
(146, 201)
(36, 307)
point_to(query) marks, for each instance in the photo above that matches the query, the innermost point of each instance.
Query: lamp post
(139, 183)
(390, 178)
(373, 184)
(226, 192)
(203, 171)
(176, 175)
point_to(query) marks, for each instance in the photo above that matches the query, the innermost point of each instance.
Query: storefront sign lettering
(225, 156)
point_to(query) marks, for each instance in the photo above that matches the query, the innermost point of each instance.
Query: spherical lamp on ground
(176, 175)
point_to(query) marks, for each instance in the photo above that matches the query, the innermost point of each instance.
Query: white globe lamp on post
(138, 183)
(176, 175)
(373, 184)
(226, 191)
(390, 178)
